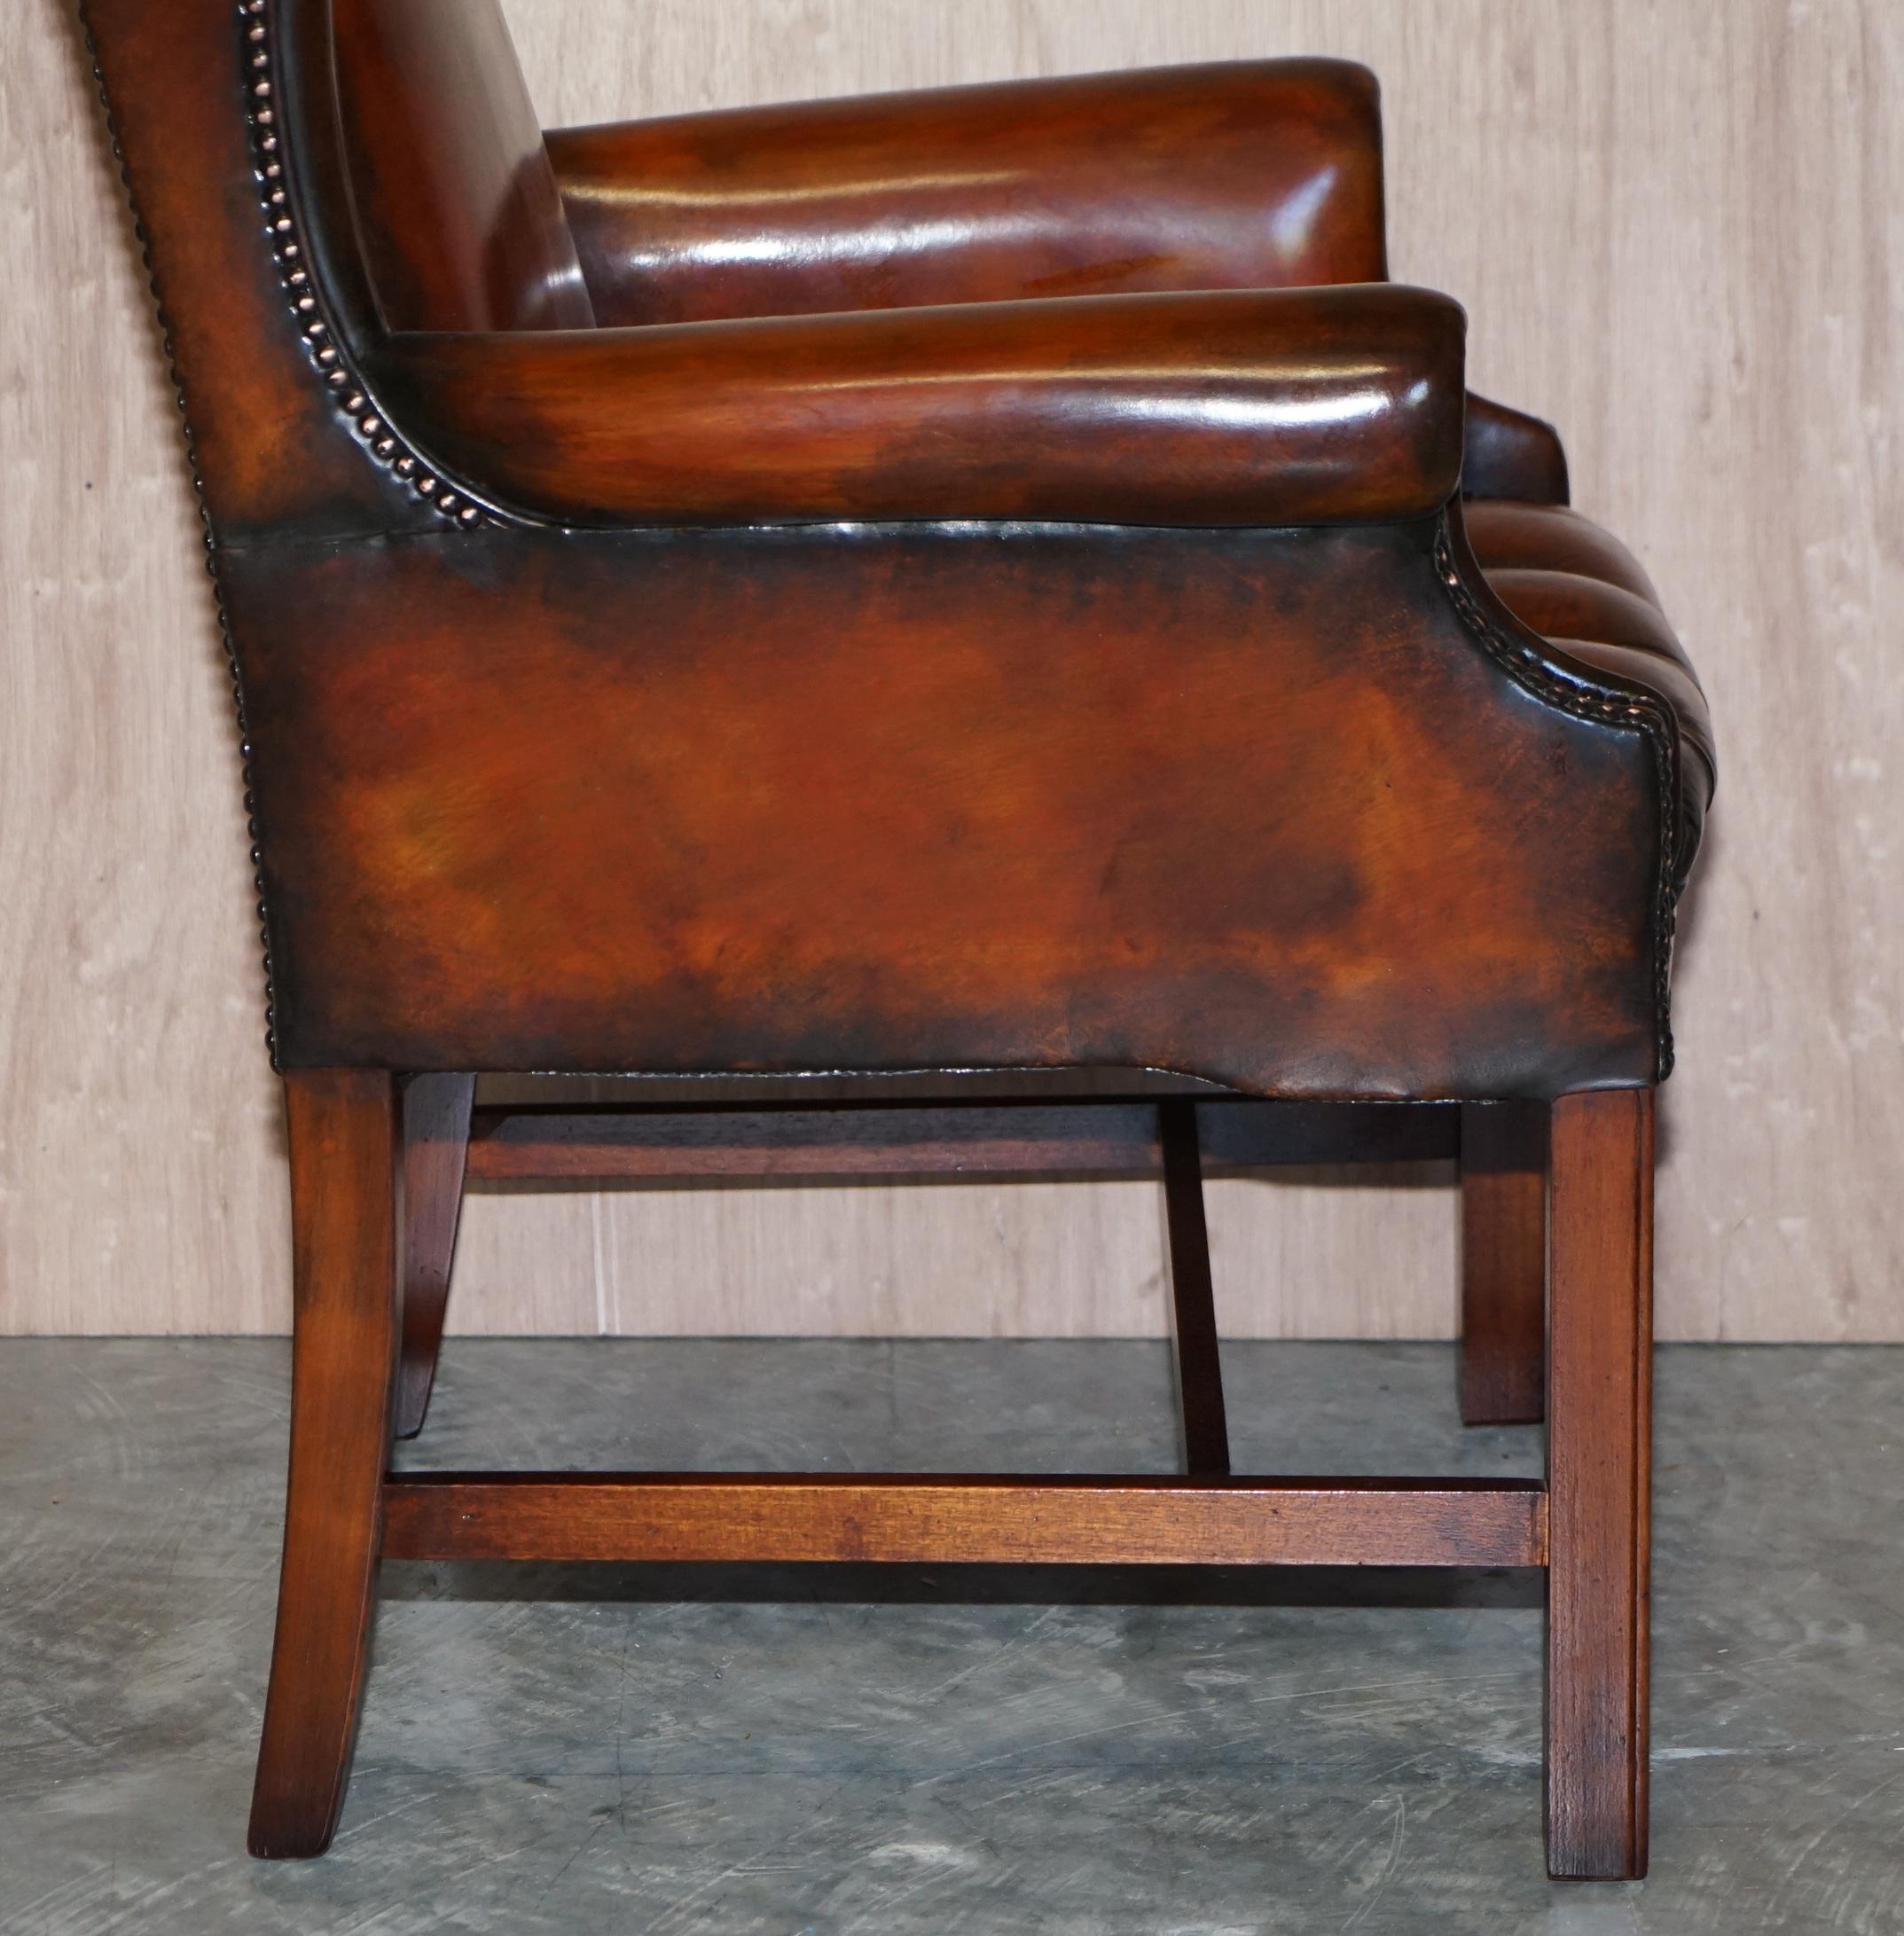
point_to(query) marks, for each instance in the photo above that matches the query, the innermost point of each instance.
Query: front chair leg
(1503, 1263)
(1599, 1481)
(343, 1135)
(435, 1114)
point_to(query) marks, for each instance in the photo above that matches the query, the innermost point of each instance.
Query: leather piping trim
(211, 546)
(1520, 653)
(323, 343)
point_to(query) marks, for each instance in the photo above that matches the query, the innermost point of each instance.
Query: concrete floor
(577, 1749)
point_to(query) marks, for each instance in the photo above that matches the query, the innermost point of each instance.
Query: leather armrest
(1241, 175)
(1247, 407)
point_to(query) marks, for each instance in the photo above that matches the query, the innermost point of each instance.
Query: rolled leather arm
(1270, 408)
(1243, 174)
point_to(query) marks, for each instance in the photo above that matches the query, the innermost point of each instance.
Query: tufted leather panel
(1561, 603)
(1582, 590)
(1550, 537)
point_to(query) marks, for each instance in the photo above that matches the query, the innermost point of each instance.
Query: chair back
(456, 207)
(310, 174)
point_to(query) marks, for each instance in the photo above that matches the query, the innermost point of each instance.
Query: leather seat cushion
(1551, 538)
(1582, 590)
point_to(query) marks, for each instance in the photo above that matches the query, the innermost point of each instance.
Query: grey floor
(577, 1749)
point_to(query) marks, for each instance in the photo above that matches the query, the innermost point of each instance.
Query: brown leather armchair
(990, 580)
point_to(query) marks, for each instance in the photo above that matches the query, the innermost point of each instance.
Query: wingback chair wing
(991, 579)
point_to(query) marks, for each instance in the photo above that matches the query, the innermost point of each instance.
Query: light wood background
(1676, 227)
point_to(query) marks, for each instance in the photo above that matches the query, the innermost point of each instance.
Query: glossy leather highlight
(1257, 175)
(1276, 407)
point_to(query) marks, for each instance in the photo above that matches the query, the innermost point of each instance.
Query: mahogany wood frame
(379, 1166)
(1503, 1237)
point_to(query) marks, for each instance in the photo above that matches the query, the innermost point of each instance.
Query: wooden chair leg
(1503, 1263)
(1206, 1441)
(343, 1133)
(436, 1120)
(1599, 1482)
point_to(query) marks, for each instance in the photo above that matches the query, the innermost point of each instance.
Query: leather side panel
(1249, 804)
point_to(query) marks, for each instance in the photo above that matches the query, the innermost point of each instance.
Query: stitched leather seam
(1606, 705)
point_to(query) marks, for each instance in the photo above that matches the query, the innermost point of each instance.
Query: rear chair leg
(343, 1133)
(435, 1112)
(1206, 1441)
(1599, 1482)
(1503, 1263)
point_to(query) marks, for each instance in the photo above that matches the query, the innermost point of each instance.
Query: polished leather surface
(1277, 407)
(459, 211)
(1257, 175)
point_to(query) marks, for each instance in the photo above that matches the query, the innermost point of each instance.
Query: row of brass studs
(211, 555)
(281, 229)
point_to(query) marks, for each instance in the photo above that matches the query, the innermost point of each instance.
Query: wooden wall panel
(1678, 230)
